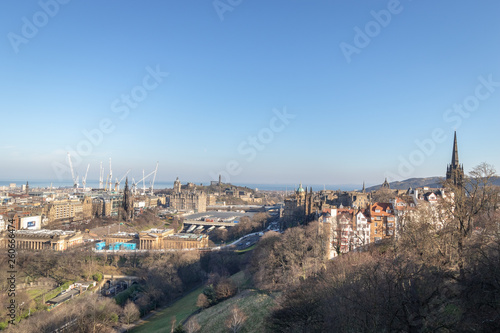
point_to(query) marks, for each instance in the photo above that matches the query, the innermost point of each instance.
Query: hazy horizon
(261, 92)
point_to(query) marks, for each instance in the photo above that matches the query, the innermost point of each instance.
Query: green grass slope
(161, 320)
(255, 304)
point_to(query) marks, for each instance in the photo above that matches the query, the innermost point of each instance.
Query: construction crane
(110, 175)
(75, 180)
(134, 183)
(117, 184)
(154, 177)
(101, 176)
(84, 180)
(106, 183)
(143, 182)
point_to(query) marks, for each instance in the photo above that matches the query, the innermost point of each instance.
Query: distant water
(169, 184)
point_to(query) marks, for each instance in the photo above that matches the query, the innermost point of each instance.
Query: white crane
(101, 176)
(75, 180)
(154, 177)
(134, 183)
(143, 182)
(84, 180)
(117, 184)
(110, 176)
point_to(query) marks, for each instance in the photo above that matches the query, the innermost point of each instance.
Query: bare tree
(192, 326)
(467, 201)
(202, 301)
(130, 312)
(236, 319)
(224, 289)
(172, 323)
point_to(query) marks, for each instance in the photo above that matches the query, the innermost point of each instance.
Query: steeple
(454, 157)
(455, 172)
(364, 189)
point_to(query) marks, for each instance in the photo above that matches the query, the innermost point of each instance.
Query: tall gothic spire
(455, 172)
(454, 157)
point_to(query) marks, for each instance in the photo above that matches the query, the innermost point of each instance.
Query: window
(377, 210)
(390, 225)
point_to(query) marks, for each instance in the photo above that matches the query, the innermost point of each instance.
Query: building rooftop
(123, 234)
(187, 236)
(45, 233)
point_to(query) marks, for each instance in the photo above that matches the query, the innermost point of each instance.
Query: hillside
(412, 182)
(256, 306)
(432, 182)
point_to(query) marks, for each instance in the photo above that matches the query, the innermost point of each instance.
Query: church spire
(455, 172)
(454, 157)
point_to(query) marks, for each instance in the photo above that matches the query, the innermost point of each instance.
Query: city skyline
(269, 93)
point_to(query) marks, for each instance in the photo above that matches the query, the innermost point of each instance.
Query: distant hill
(432, 182)
(412, 182)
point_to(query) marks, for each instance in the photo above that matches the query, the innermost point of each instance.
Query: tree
(192, 326)
(179, 329)
(224, 289)
(202, 301)
(235, 319)
(466, 202)
(130, 312)
(172, 324)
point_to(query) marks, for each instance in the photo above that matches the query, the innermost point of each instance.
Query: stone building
(185, 241)
(153, 239)
(69, 210)
(383, 222)
(165, 239)
(56, 240)
(107, 204)
(298, 204)
(122, 237)
(187, 198)
(306, 203)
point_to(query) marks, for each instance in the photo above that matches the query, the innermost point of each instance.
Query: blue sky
(233, 66)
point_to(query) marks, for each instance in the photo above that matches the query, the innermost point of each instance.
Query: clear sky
(278, 91)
